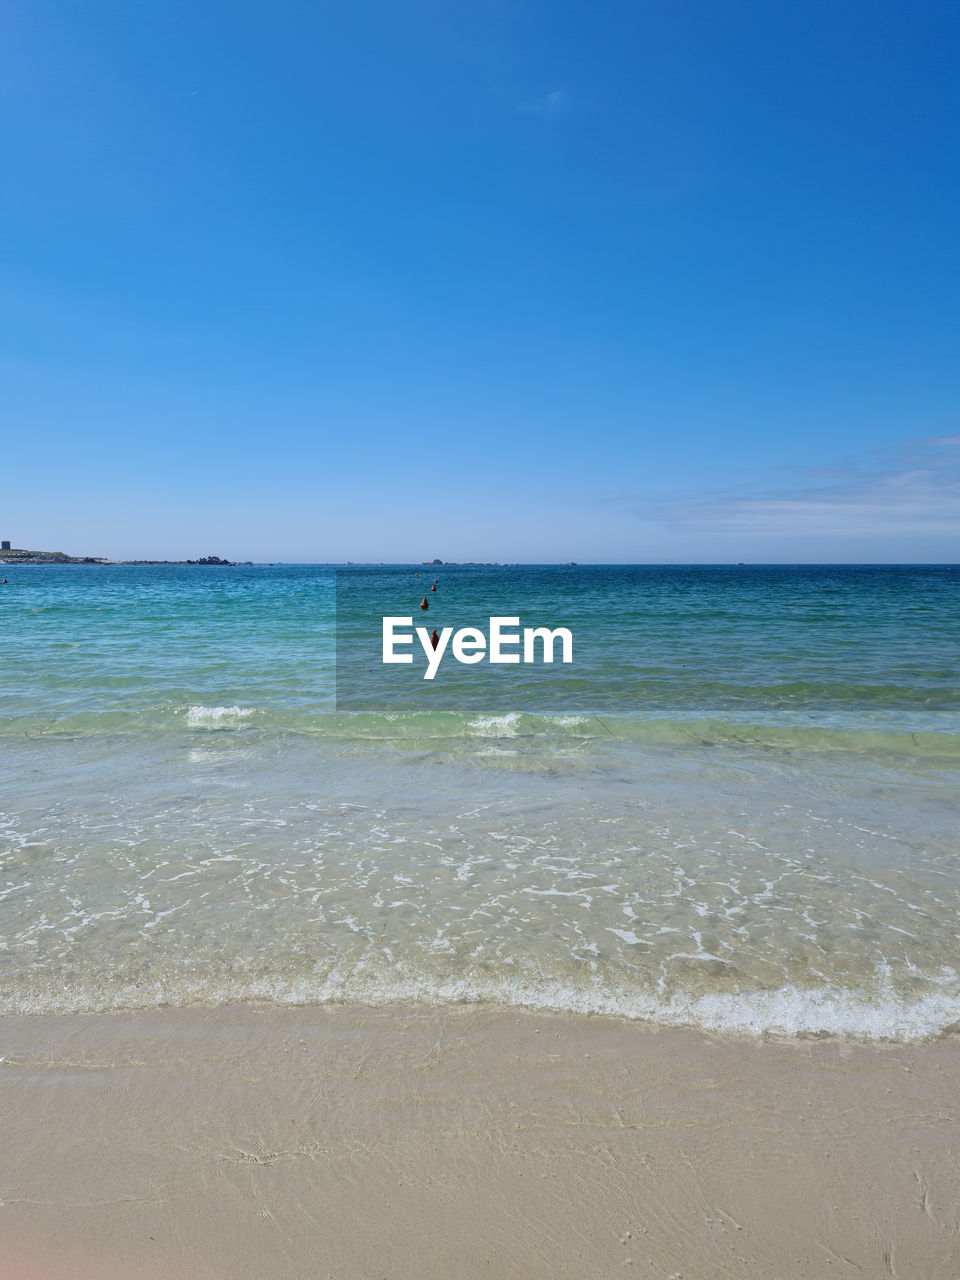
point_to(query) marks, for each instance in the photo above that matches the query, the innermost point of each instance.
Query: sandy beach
(345, 1142)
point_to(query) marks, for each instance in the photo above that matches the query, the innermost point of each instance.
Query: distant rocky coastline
(16, 555)
(205, 560)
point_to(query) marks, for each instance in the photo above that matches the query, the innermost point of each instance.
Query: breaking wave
(789, 1011)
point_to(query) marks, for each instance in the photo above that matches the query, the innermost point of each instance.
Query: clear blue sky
(528, 281)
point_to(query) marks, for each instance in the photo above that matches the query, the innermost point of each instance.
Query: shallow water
(758, 831)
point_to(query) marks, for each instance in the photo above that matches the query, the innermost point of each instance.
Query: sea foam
(789, 1011)
(200, 717)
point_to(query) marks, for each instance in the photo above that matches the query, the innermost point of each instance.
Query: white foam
(626, 935)
(788, 1011)
(504, 726)
(201, 717)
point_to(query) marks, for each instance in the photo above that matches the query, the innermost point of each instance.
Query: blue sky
(527, 281)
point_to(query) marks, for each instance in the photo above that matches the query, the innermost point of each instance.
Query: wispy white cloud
(914, 490)
(553, 103)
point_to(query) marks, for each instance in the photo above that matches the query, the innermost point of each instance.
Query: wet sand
(352, 1143)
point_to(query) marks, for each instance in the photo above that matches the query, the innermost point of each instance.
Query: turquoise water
(737, 808)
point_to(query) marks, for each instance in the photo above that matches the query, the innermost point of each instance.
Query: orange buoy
(434, 639)
(434, 587)
(424, 603)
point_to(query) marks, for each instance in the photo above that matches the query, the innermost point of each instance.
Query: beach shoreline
(467, 1141)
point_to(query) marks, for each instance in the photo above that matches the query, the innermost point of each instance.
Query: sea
(736, 809)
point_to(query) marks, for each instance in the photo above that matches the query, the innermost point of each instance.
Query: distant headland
(16, 555)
